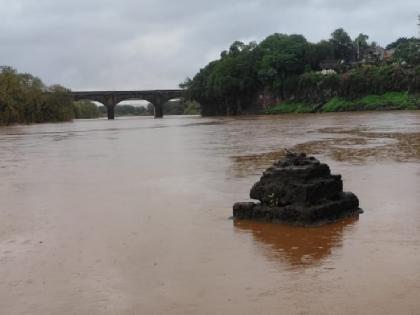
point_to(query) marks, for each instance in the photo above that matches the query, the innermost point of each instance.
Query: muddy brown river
(132, 217)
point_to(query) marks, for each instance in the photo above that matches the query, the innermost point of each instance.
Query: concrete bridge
(110, 99)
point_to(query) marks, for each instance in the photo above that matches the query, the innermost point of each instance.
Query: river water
(132, 217)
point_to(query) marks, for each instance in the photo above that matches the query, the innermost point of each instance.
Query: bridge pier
(158, 106)
(110, 104)
(158, 110)
(110, 110)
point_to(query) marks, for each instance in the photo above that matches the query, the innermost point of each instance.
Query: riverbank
(386, 101)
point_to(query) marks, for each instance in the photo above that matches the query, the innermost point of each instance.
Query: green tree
(282, 56)
(57, 105)
(343, 45)
(85, 110)
(400, 41)
(361, 44)
(192, 108)
(130, 110)
(25, 99)
(287, 67)
(10, 96)
(407, 50)
(316, 53)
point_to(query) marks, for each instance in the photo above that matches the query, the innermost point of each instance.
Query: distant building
(328, 71)
(373, 54)
(389, 54)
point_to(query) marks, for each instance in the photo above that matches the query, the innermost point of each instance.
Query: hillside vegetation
(286, 73)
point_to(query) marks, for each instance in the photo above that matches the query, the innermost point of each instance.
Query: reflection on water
(297, 246)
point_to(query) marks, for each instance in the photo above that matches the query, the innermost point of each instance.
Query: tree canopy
(25, 99)
(288, 66)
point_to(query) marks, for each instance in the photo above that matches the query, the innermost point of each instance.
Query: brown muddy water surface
(131, 217)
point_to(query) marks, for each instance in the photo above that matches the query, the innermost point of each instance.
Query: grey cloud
(152, 44)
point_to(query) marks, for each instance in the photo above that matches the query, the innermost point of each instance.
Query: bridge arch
(100, 100)
(137, 103)
(174, 106)
(87, 99)
(111, 98)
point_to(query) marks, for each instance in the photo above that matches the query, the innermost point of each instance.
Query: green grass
(392, 100)
(338, 104)
(290, 107)
(389, 100)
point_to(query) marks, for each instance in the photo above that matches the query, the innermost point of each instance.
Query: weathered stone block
(298, 190)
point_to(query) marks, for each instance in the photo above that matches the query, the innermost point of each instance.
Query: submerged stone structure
(298, 190)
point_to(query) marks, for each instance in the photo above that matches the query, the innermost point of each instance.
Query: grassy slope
(387, 101)
(290, 107)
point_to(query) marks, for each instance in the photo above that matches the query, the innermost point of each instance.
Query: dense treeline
(282, 67)
(86, 110)
(181, 107)
(25, 99)
(129, 110)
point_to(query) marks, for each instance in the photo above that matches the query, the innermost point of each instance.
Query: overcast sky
(156, 44)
